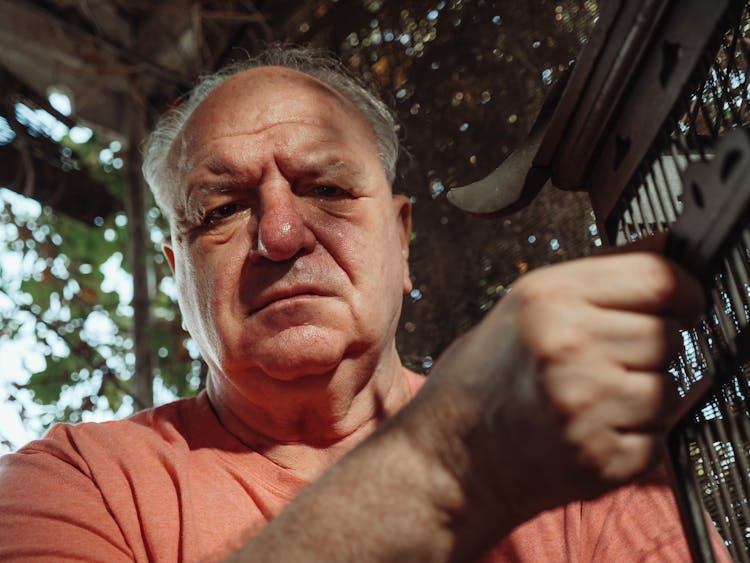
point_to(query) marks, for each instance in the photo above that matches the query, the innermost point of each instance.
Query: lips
(271, 296)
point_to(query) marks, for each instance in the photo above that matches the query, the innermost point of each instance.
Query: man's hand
(561, 392)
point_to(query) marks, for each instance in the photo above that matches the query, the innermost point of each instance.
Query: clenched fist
(561, 392)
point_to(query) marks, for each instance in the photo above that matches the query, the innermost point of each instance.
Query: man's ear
(402, 206)
(166, 248)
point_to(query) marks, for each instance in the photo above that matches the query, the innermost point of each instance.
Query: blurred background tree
(466, 78)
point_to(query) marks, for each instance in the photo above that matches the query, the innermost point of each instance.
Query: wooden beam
(97, 71)
(16, 90)
(139, 258)
(73, 193)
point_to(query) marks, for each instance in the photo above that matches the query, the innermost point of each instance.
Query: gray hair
(163, 177)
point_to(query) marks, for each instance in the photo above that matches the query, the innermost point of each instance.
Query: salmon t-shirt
(172, 484)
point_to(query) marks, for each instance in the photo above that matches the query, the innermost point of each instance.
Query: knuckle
(550, 346)
(572, 394)
(543, 282)
(570, 399)
(589, 449)
(615, 459)
(631, 458)
(548, 328)
(529, 289)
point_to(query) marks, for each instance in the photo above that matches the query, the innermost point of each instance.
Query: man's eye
(328, 191)
(222, 212)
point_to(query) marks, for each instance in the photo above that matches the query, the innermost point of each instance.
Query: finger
(603, 396)
(636, 453)
(639, 402)
(637, 281)
(615, 457)
(636, 341)
(644, 401)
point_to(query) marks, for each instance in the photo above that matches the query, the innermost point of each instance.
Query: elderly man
(290, 254)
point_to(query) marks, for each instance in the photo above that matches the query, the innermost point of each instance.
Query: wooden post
(139, 257)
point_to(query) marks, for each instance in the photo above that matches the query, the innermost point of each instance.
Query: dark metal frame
(641, 124)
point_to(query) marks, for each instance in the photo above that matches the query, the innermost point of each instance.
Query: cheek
(190, 287)
(340, 237)
(205, 280)
(368, 250)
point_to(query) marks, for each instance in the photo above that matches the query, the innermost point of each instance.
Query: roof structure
(117, 60)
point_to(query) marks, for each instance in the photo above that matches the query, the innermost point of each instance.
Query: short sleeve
(51, 510)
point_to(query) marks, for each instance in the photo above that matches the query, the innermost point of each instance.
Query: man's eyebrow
(311, 166)
(222, 186)
(189, 211)
(322, 165)
(213, 175)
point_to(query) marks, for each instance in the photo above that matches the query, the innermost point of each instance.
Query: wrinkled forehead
(259, 98)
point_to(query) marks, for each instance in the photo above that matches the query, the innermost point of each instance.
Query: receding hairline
(304, 78)
(317, 83)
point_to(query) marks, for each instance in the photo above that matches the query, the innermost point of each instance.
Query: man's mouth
(272, 297)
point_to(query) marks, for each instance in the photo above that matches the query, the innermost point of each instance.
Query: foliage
(74, 289)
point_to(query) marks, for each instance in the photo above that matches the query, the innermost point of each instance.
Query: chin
(299, 351)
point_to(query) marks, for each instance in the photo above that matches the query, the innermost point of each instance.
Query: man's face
(291, 254)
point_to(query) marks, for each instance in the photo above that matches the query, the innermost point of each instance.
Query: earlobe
(408, 286)
(402, 206)
(166, 248)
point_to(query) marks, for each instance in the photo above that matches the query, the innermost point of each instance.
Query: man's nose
(281, 232)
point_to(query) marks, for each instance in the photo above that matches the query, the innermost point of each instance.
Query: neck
(306, 424)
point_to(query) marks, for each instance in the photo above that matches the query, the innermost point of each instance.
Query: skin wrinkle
(160, 171)
(217, 174)
(181, 146)
(327, 166)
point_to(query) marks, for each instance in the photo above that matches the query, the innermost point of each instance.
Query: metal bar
(705, 441)
(686, 492)
(739, 478)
